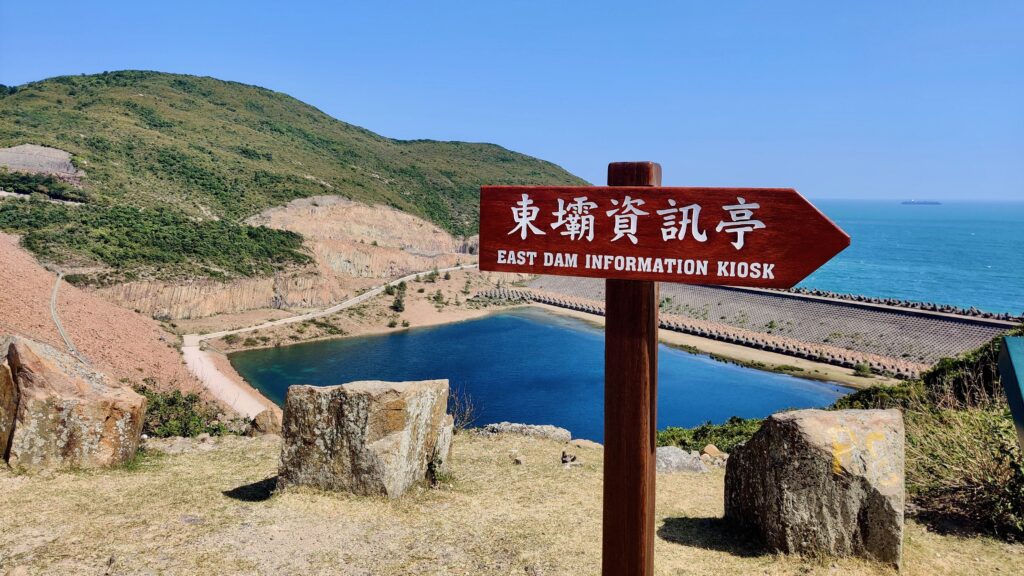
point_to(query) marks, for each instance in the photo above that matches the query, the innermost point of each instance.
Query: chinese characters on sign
(734, 236)
(578, 222)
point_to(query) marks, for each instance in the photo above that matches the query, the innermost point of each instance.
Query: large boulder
(266, 422)
(533, 430)
(821, 482)
(368, 438)
(57, 413)
(675, 459)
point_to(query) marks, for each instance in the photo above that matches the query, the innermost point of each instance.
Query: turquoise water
(964, 254)
(533, 367)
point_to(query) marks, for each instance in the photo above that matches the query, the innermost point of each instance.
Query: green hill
(201, 149)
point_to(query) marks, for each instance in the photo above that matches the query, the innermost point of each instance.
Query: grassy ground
(211, 512)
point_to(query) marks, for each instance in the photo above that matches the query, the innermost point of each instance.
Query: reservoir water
(529, 366)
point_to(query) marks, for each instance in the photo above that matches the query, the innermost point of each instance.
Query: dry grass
(211, 513)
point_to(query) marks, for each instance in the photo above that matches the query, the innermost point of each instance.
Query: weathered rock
(369, 438)
(8, 403)
(581, 443)
(713, 451)
(533, 430)
(823, 483)
(266, 422)
(66, 416)
(675, 459)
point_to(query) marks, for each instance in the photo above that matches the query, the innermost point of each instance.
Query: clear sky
(838, 99)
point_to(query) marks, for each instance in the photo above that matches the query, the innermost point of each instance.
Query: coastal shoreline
(741, 355)
(371, 314)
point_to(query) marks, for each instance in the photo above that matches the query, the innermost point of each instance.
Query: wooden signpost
(635, 233)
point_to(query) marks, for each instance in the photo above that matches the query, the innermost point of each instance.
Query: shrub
(177, 414)
(863, 369)
(725, 436)
(463, 409)
(882, 396)
(26, 183)
(965, 467)
(327, 327)
(399, 304)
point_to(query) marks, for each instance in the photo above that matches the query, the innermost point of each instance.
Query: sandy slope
(117, 341)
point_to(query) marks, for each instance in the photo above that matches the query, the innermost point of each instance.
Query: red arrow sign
(765, 237)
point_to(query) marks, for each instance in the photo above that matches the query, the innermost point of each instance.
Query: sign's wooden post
(630, 412)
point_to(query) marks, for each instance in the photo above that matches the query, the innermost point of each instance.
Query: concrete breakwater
(912, 336)
(909, 304)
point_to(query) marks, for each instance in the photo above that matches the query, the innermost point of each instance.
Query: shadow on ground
(255, 492)
(710, 534)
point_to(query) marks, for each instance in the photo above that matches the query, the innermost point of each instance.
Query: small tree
(399, 304)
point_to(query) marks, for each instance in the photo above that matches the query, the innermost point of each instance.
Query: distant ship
(922, 202)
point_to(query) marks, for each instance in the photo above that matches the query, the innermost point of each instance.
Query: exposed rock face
(534, 430)
(368, 438)
(64, 416)
(675, 459)
(353, 246)
(40, 159)
(203, 297)
(823, 482)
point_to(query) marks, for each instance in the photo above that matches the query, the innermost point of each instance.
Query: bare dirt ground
(229, 321)
(119, 342)
(212, 512)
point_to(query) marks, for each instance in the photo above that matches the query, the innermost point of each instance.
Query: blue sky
(840, 100)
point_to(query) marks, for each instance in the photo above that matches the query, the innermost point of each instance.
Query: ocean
(959, 253)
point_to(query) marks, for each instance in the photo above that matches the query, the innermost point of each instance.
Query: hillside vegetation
(206, 149)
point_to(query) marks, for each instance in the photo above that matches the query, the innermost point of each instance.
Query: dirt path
(56, 321)
(243, 398)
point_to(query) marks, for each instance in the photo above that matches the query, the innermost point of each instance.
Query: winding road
(243, 399)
